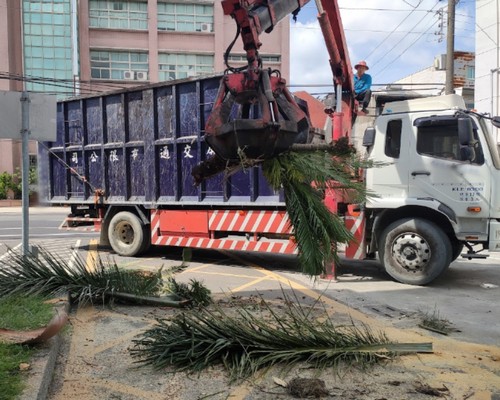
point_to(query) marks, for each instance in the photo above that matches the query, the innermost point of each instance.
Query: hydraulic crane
(255, 116)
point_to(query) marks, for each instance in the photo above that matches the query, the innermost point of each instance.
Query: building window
(471, 72)
(33, 160)
(118, 14)
(178, 66)
(118, 65)
(184, 17)
(265, 58)
(47, 45)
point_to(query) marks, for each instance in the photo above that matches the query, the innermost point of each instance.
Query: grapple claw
(254, 119)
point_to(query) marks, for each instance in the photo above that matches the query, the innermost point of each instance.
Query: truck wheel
(126, 234)
(457, 248)
(414, 251)
(146, 244)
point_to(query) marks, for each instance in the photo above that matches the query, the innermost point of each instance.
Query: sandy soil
(94, 363)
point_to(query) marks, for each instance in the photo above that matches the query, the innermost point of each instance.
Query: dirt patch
(95, 363)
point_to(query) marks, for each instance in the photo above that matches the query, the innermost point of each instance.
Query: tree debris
(305, 176)
(304, 388)
(247, 342)
(424, 388)
(50, 275)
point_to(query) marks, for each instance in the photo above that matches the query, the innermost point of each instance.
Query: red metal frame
(267, 231)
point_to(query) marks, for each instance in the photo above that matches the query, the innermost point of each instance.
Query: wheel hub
(125, 232)
(411, 251)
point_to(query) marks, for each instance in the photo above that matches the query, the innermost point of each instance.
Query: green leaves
(245, 343)
(51, 275)
(304, 177)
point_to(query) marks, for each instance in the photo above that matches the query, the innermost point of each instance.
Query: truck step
(471, 256)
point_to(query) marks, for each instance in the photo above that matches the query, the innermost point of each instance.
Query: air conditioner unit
(141, 76)
(129, 75)
(205, 27)
(440, 62)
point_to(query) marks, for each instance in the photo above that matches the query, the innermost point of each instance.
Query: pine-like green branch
(246, 343)
(305, 176)
(50, 275)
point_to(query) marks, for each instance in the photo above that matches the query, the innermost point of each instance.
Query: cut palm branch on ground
(305, 174)
(50, 275)
(194, 291)
(247, 342)
(435, 323)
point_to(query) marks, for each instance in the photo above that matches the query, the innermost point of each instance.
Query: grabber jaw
(254, 119)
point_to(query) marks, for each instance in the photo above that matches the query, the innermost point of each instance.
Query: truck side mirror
(496, 121)
(369, 137)
(465, 133)
(467, 154)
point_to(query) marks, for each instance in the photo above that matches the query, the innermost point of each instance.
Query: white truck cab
(438, 188)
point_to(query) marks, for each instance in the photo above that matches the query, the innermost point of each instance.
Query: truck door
(440, 169)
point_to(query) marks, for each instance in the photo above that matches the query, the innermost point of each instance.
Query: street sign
(42, 116)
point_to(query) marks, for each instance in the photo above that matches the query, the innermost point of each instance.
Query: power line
(404, 51)
(390, 50)
(384, 40)
(374, 84)
(84, 86)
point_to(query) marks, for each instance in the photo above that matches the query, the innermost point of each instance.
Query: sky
(395, 37)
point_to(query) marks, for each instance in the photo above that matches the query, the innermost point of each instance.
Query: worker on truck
(362, 85)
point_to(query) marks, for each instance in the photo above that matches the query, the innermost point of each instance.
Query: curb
(43, 365)
(42, 370)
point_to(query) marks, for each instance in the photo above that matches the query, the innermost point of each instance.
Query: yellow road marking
(203, 266)
(92, 255)
(254, 282)
(224, 274)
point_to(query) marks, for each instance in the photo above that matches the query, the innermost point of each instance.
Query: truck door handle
(415, 173)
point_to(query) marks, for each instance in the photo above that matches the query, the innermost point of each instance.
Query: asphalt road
(466, 294)
(44, 223)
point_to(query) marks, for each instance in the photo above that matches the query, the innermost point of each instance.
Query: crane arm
(330, 22)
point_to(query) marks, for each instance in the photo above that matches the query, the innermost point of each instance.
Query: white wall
(487, 96)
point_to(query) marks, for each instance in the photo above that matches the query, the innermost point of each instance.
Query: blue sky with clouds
(395, 37)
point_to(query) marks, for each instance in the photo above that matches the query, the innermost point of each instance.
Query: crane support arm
(330, 22)
(257, 16)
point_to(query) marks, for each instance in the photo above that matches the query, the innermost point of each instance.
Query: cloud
(369, 27)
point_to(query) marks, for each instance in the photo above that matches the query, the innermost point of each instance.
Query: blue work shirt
(362, 84)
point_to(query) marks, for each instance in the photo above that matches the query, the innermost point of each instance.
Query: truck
(124, 162)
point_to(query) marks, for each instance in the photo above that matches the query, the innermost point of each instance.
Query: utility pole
(25, 133)
(450, 48)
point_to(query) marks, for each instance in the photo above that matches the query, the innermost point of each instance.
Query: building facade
(136, 41)
(431, 81)
(487, 97)
(71, 47)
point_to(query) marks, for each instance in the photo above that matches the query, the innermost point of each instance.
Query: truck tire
(146, 244)
(457, 248)
(414, 251)
(127, 235)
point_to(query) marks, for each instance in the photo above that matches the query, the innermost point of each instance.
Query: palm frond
(195, 291)
(304, 176)
(49, 274)
(246, 343)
